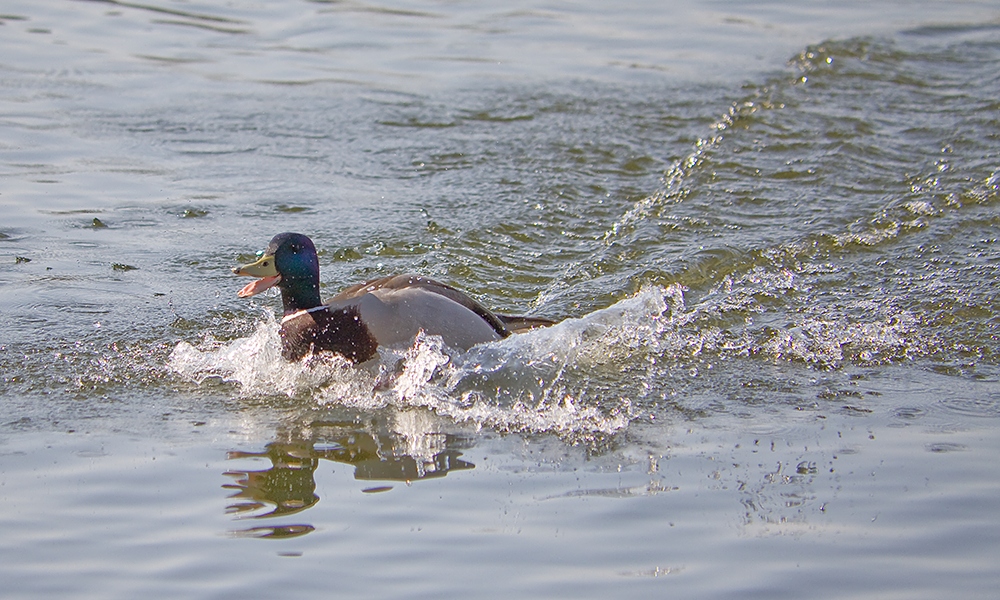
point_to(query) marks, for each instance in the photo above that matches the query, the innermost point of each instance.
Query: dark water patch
(942, 447)
(284, 208)
(200, 25)
(948, 31)
(169, 11)
(194, 213)
(909, 414)
(268, 532)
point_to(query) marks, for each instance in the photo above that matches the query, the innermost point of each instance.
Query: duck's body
(389, 312)
(382, 312)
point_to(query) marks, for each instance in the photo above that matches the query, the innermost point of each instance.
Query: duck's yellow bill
(263, 268)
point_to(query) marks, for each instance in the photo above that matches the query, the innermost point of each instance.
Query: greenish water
(770, 234)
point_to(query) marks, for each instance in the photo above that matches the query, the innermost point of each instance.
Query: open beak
(262, 268)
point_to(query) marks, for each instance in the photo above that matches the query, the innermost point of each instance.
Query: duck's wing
(516, 324)
(401, 282)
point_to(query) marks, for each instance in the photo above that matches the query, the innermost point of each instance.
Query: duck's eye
(295, 248)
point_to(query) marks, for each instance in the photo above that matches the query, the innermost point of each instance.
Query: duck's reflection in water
(403, 446)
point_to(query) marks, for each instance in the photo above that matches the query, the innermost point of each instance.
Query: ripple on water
(987, 405)
(909, 413)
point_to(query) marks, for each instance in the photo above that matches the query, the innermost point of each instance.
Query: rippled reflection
(404, 446)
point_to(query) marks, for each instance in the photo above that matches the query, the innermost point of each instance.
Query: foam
(546, 380)
(586, 375)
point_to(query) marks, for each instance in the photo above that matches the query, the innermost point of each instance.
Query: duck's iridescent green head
(290, 262)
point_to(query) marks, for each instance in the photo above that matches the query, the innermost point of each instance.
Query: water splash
(561, 379)
(587, 375)
(255, 364)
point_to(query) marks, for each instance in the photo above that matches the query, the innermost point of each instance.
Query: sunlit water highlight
(769, 234)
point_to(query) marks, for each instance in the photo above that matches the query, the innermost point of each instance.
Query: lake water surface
(769, 231)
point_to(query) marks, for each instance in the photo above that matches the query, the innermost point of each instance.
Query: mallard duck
(389, 311)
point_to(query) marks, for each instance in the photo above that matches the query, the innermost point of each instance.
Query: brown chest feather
(333, 330)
